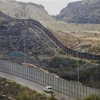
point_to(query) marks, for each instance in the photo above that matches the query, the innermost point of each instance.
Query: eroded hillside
(81, 37)
(20, 38)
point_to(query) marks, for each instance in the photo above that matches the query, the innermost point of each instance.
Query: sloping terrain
(81, 37)
(20, 38)
(26, 40)
(22, 10)
(10, 90)
(85, 11)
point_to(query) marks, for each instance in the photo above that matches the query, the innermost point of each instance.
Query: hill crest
(86, 11)
(22, 10)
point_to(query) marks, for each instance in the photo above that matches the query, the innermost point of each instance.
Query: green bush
(59, 61)
(18, 92)
(3, 24)
(93, 97)
(98, 62)
(53, 97)
(81, 62)
(62, 52)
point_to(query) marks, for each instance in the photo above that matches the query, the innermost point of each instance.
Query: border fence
(69, 88)
(74, 53)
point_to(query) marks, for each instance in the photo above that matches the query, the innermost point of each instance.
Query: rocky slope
(86, 11)
(19, 37)
(24, 10)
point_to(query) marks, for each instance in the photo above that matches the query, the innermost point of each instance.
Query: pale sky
(53, 7)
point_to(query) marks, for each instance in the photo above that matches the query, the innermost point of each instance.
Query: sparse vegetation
(82, 37)
(53, 97)
(62, 52)
(10, 89)
(3, 24)
(89, 74)
(92, 97)
(58, 61)
(98, 62)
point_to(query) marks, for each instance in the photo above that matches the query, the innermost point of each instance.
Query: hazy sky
(53, 7)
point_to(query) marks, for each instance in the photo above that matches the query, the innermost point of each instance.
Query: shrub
(98, 62)
(3, 24)
(62, 52)
(59, 62)
(53, 97)
(81, 62)
(92, 97)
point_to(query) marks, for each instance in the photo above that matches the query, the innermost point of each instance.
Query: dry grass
(82, 37)
(66, 38)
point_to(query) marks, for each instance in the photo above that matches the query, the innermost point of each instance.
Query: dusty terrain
(81, 37)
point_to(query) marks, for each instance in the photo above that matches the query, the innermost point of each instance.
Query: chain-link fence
(73, 89)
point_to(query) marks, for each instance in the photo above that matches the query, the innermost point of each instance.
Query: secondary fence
(78, 54)
(72, 89)
(74, 53)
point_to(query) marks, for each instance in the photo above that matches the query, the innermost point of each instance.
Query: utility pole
(77, 68)
(25, 49)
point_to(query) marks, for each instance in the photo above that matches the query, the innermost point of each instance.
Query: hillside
(10, 90)
(28, 41)
(84, 38)
(85, 11)
(24, 37)
(81, 37)
(22, 10)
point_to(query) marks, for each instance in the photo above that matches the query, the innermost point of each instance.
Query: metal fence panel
(69, 88)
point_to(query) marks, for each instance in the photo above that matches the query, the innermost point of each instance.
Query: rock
(86, 11)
